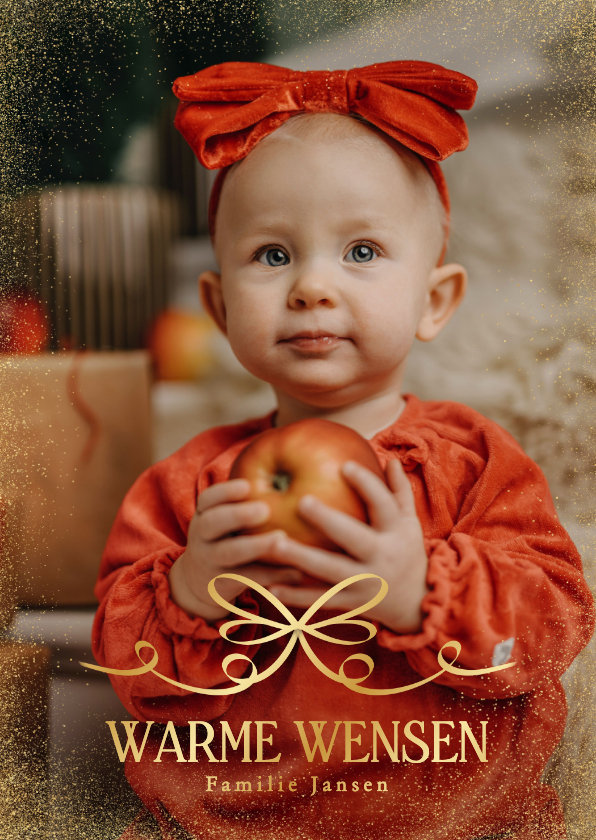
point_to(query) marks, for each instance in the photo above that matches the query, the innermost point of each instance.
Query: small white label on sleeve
(502, 651)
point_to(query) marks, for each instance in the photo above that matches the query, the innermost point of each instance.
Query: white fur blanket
(521, 351)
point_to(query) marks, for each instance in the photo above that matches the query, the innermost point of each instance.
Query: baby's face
(327, 249)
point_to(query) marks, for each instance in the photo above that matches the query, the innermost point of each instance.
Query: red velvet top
(501, 568)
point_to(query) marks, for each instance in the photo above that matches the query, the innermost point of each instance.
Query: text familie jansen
(449, 742)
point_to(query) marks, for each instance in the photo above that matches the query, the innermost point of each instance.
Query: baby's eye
(361, 254)
(273, 257)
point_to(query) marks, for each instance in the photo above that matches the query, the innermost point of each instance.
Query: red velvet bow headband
(226, 109)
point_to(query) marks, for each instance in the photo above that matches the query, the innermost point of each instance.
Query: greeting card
(304, 550)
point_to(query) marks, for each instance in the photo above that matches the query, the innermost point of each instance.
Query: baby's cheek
(390, 339)
(244, 342)
(244, 318)
(248, 340)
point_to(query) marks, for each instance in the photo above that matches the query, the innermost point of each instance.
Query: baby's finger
(255, 573)
(402, 489)
(220, 520)
(225, 491)
(268, 575)
(293, 596)
(303, 597)
(380, 502)
(324, 565)
(238, 551)
(355, 537)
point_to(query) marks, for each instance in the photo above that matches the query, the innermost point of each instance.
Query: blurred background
(108, 363)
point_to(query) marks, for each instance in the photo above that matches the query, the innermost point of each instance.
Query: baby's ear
(212, 298)
(446, 289)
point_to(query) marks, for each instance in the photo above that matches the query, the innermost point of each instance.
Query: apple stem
(281, 481)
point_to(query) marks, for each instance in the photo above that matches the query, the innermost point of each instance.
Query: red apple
(180, 345)
(306, 457)
(23, 324)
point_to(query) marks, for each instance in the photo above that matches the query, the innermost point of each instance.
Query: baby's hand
(392, 546)
(212, 549)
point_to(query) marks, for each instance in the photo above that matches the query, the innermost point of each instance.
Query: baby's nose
(311, 290)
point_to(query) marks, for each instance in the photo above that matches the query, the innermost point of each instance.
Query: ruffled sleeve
(148, 536)
(504, 577)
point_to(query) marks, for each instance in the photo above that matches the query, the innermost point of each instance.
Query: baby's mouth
(314, 342)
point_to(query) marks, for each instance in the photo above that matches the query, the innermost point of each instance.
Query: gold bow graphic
(299, 628)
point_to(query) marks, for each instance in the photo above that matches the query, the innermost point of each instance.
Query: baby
(330, 230)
